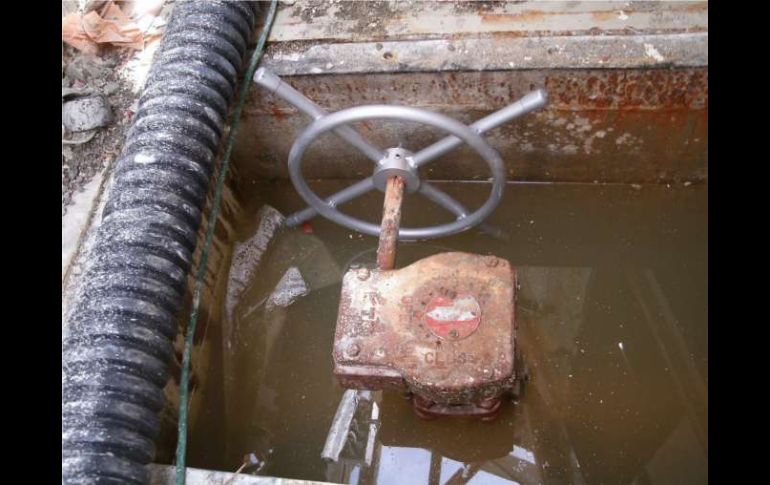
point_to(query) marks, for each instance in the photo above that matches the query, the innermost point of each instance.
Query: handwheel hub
(398, 162)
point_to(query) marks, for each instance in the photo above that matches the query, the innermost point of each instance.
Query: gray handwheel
(407, 168)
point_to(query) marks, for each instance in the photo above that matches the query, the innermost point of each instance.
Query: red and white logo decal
(453, 319)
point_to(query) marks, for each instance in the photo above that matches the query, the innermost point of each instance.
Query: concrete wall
(628, 86)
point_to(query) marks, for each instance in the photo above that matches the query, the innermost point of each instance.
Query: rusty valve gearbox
(443, 328)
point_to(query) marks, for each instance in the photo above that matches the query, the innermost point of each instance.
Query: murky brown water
(613, 325)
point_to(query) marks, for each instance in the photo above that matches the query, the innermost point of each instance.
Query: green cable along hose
(181, 446)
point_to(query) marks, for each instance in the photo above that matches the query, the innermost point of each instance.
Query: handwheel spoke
(446, 201)
(530, 102)
(344, 195)
(269, 80)
(443, 199)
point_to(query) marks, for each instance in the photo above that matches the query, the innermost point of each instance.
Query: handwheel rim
(402, 113)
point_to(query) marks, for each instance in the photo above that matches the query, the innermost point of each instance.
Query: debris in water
(253, 463)
(340, 428)
(248, 254)
(289, 289)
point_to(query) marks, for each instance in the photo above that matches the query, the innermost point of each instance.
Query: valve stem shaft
(391, 220)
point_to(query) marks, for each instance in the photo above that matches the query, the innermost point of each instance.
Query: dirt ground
(101, 74)
(118, 74)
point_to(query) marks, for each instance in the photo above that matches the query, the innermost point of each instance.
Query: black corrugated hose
(118, 342)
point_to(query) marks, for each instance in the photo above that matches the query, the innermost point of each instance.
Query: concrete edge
(488, 54)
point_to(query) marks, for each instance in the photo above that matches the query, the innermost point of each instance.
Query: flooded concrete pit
(606, 223)
(612, 322)
(605, 217)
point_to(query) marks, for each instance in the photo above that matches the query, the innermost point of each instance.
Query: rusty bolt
(491, 261)
(363, 274)
(488, 403)
(353, 350)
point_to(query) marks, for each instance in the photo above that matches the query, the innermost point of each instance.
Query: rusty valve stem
(391, 220)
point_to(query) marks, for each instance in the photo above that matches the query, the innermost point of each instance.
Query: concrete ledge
(373, 21)
(516, 53)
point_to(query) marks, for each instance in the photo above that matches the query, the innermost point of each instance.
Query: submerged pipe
(118, 342)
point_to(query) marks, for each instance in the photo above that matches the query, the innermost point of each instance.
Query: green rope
(181, 446)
